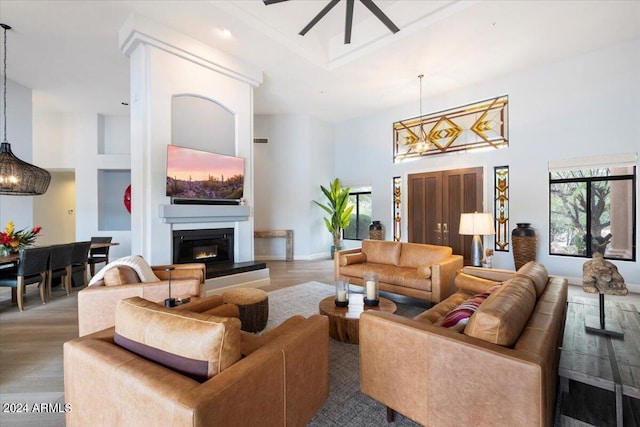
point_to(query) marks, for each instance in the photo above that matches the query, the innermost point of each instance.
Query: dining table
(12, 258)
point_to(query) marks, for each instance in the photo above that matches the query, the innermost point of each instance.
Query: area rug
(346, 405)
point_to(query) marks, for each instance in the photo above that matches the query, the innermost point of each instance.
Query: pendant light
(17, 178)
(422, 144)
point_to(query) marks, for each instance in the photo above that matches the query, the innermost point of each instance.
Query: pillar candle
(342, 296)
(371, 290)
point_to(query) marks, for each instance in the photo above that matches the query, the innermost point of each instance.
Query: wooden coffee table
(344, 322)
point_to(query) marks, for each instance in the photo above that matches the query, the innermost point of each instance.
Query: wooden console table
(286, 234)
(597, 365)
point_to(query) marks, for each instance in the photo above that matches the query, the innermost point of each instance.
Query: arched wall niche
(202, 123)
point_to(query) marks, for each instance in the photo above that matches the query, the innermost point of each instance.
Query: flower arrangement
(13, 240)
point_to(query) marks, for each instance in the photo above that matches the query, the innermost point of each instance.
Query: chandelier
(17, 178)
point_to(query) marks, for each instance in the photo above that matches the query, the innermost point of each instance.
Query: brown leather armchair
(284, 381)
(97, 303)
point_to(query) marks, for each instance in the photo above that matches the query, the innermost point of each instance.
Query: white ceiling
(67, 51)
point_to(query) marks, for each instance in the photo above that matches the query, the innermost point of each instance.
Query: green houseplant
(339, 211)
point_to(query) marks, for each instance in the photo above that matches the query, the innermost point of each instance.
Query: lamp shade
(477, 223)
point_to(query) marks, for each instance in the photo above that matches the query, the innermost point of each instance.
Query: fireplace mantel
(173, 214)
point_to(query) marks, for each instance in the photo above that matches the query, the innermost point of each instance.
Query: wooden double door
(436, 200)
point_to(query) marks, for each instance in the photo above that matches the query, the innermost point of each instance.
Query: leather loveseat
(165, 367)
(97, 302)
(412, 269)
(497, 366)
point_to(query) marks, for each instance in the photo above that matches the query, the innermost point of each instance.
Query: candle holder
(342, 292)
(371, 289)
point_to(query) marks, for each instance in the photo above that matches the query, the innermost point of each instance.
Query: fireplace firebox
(209, 246)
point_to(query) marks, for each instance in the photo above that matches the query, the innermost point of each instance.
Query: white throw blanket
(145, 273)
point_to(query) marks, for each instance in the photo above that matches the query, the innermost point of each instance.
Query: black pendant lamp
(17, 178)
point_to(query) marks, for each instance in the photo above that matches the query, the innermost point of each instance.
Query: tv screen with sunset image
(202, 175)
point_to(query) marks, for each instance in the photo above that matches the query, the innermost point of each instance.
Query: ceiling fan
(349, 18)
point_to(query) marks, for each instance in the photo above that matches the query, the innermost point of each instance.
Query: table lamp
(476, 224)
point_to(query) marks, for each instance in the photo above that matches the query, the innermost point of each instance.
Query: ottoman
(254, 307)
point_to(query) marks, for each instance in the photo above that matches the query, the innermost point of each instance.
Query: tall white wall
(582, 106)
(289, 170)
(18, 209)
(81, 143)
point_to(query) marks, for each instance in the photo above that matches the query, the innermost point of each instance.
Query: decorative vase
(524, 241)
(376, 231)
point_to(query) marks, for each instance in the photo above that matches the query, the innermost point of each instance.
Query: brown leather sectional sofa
(278, 379)
(412, 269)
(501, 370)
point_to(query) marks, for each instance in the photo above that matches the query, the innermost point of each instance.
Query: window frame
(357, 212)
(588, 181)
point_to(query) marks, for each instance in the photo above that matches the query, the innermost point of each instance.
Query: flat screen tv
(195, 176)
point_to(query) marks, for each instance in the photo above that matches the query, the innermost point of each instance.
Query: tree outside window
(360, 217)
(593, 210)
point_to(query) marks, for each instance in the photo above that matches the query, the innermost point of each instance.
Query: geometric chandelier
(17, 178)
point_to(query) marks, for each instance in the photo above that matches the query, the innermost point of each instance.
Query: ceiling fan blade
(348, 22)
(380, 15)
(268, 2)
(318, 17)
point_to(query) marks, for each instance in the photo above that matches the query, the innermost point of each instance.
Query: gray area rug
(346, 405)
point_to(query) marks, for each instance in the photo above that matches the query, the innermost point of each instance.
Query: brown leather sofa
(281, 379)
(501, 370)
(412, 269)
(97, 302)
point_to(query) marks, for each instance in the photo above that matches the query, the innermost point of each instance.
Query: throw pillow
(349, 259)
(120, 275)
(196, 345)
(145, 273)
(458, 318)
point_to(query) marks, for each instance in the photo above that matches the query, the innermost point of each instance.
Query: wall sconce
(476, 224)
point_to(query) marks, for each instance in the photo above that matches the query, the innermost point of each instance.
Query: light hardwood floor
(31, 341)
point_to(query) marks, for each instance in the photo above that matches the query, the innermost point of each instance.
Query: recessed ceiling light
(125, 103)
(225, 33)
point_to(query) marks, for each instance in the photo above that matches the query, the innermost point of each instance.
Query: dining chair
(98, 255)
(79, 262)
(60, 267)
(32, 267)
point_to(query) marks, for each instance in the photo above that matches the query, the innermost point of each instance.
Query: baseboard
(312, 257)
(249, 279)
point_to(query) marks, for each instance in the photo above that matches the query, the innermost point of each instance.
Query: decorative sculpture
(600, 276)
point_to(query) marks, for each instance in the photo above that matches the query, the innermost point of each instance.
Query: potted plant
(339, 211)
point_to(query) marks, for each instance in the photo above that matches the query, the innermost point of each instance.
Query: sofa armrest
(192, 270)
(443, 274)
(434, 375)
(97, 304)
(336, 259)
(135, 391)
(495, 274)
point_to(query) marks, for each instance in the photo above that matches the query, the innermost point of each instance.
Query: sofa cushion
(120, 275)
(142, 268)
(458, 318)
(382, 252)
(503, 316)
(348, 259)
(537, 274)
(197, 345)
(417, 254)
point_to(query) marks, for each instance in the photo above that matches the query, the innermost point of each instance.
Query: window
(592, 207)
(361, 216)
